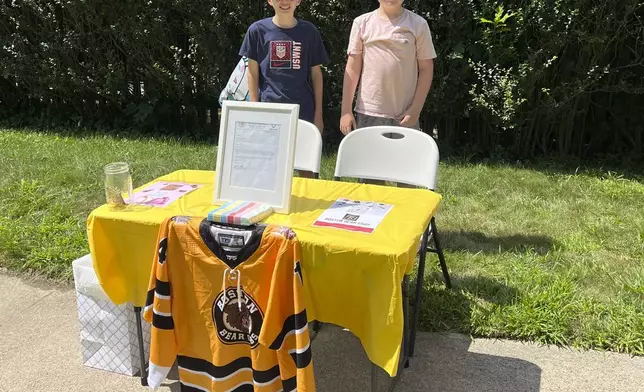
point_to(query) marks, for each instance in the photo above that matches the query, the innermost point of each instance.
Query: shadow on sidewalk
(172, 381)
(442, 363)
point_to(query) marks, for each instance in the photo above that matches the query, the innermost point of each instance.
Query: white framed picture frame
(255, 153)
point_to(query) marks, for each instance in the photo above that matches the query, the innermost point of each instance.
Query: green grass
(540, 253)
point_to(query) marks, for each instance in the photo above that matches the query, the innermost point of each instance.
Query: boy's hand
(409, 118)
(319, 122)
(347, 123)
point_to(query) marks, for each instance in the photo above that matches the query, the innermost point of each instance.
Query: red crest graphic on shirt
(281, 54)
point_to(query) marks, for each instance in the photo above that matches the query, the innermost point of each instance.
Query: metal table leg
(374, 377)
(419, 291)
(139, 334)
(404, 350)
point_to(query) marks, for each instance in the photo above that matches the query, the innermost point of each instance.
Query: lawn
(545, 253)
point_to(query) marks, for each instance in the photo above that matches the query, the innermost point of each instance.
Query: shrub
(527, 77)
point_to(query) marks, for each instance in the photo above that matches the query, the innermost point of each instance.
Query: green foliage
(528, 77)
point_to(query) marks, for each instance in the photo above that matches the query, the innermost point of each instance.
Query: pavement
(40, 351)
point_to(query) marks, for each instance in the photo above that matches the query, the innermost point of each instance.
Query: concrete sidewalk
(39, 351)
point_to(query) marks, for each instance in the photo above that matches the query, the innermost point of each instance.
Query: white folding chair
(387, 153)
(401, 155)
(308, 148)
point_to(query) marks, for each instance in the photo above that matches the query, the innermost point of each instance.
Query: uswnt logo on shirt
(286, 54)
(281, 50)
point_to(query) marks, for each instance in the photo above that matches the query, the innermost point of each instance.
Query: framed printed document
(255, 153)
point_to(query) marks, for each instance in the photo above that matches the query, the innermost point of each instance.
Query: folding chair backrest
(387, 153)
(308, 147)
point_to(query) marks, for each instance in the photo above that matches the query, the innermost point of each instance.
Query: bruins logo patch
(234, 325)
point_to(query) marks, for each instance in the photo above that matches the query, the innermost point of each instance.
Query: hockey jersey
(227, 304)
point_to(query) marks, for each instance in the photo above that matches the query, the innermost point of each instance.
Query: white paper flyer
(354, 215)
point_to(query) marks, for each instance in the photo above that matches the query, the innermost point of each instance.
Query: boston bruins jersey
(227, 304)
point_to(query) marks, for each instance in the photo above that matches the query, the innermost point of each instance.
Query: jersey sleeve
(158, 312)
(285, 327)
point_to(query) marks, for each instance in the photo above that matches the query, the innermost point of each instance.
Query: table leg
(404, 349)
(374, 377)
(139, 334)
(419, 291)
(315, 329)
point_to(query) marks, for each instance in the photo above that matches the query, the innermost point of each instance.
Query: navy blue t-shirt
(285, 58)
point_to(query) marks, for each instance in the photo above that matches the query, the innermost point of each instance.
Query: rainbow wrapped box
(243, 213)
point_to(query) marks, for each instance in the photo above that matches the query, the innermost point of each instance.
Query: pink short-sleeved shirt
(390, 50)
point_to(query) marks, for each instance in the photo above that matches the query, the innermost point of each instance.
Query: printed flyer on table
(354, 215)
(161, 194)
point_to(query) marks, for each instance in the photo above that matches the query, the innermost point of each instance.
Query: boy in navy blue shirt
(285, 55)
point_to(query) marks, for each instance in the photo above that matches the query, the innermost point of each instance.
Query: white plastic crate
(107, 332)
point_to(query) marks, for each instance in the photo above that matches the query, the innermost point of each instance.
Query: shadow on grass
(475, 242)
(448, 310)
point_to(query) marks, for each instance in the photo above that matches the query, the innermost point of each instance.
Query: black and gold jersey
(227, 304)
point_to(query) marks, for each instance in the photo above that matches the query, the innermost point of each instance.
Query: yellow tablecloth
(354, 279)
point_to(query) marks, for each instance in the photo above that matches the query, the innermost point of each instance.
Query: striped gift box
(243, 213)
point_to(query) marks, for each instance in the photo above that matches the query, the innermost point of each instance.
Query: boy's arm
(425, 53)
(253, 80)
(316, 76)
(425, 77)
(352, 73)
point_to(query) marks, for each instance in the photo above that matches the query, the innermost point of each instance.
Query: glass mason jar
(118, 183)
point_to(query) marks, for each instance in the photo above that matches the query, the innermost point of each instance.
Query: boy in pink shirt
(391, 54)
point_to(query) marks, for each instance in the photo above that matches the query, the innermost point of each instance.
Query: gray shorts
(363, 121)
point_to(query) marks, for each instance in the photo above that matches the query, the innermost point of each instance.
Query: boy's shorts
(363, 121)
